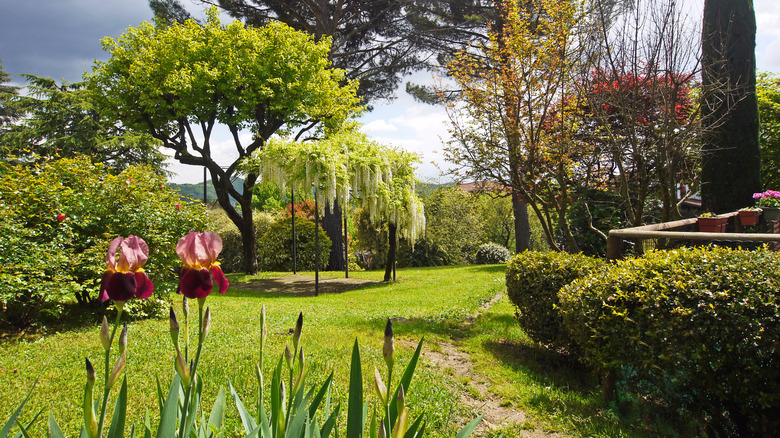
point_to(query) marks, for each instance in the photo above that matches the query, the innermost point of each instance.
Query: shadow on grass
(68, 317)
(298, 285)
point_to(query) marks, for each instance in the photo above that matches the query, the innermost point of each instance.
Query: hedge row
(696, 329)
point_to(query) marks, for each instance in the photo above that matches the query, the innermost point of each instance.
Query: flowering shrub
(65, 212)
(769, 198)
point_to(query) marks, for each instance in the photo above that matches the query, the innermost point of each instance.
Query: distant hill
(195, 191)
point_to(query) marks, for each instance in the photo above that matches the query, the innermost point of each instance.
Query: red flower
(60, 217)
(198, 252)
(125, 279)
(178, 206)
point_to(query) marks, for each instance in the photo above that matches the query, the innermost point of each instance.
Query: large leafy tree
(768, 92)
(62, 121)
(514, 125)
(642, 117)
(731, 160)
(179, 81)
(371, 41)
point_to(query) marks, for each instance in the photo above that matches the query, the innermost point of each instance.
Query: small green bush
(491, 254)
(533, 280)
(232, 256)
(696, 329)
(274, 249)
(424, 253)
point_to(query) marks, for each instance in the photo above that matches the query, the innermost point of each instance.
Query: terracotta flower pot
(749, 217)
(712, 224)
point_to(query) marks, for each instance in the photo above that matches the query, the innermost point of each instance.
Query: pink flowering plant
(769, 198)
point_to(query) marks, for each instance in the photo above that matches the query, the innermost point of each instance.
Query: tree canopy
(62, 121)
(178, 81)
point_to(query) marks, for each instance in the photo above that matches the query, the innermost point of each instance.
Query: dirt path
(477, 395)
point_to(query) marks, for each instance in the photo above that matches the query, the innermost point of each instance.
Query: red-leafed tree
(643, 131)
(642, 115)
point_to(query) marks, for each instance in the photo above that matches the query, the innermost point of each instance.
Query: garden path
(477, 395)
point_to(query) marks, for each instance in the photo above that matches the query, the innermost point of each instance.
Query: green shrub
(695, 329)
(58, 219)
(424, 253)
(533, 280)
(232, 256)
(274, 249)
(491, 254)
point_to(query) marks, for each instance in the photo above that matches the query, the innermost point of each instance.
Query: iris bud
(400, 426)
(118, 368)
(105, 334)
(379, 385)
(297, 332)
(206, 322)
(90, 419)
(388, 350)
(182, 369)
(288, 356)
(123, 339)
(174, 328)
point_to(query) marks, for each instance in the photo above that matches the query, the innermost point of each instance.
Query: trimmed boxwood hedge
(533, 280)
(697, 329)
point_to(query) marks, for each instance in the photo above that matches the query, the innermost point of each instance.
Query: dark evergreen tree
(731, 160)
(60, 120)
(8, 94)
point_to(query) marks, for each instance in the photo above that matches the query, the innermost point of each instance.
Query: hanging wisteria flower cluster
(380, 178)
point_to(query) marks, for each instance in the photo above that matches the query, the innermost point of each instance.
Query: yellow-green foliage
(696, 328)
(533, 280)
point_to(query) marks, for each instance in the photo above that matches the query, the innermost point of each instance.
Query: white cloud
(379, 126)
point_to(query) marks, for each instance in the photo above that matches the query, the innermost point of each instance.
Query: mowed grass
(424, 302)
(558, 395)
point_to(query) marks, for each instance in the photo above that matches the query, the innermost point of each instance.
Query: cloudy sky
(61, 39)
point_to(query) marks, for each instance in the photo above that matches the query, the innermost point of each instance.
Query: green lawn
(429, 303)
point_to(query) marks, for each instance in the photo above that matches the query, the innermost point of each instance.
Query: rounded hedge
(695, 328)
(491, 253)
(533, 280)
(274, 249)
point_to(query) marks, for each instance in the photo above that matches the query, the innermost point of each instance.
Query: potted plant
(749, 215)
(712, 223)
(769, 201)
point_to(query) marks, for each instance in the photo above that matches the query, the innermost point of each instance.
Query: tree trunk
(731, 160)
(522, 226)
(332, 224)
(391, 234)
(243, 219)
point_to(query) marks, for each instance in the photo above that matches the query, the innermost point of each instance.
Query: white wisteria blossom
(380, 178)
